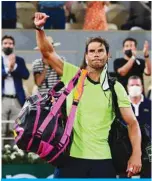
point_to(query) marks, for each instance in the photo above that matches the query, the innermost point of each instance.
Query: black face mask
(128, 53)
(8, 50)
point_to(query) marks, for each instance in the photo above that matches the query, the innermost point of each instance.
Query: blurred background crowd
(24, 71)
(101, 15)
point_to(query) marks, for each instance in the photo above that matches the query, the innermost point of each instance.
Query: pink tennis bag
(42, 126)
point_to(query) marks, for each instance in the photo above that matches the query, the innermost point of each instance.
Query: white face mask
(135, 91)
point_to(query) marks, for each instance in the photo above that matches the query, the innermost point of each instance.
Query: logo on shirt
(146, 110)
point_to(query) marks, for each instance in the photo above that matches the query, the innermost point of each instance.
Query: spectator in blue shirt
(9, 14)
(54, 9)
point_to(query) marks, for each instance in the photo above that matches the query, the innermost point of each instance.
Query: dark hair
(8, 37)
(91, 40)
(130, 39)
(134, 77)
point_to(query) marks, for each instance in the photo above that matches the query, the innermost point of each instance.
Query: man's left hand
(146, 48)
(134, 165)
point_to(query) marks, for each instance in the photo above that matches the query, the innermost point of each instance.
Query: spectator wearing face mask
(130, 64)
(142, 110)
(13, 71)
(141, 105)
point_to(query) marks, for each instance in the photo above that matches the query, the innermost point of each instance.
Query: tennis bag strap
(60, 101)
(77, 96)
(69, 124)
(112, 82)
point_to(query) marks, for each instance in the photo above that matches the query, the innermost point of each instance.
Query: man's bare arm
(135, 139)
(147, 70)
(44, 45)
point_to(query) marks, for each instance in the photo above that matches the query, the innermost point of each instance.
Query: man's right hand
(40, 19)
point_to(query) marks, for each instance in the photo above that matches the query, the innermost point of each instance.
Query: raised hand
(40, 19)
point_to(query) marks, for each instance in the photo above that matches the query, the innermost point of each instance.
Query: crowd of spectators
(101, 15)
(14, 70)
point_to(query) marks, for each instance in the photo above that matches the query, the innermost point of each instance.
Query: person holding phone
(131, 65)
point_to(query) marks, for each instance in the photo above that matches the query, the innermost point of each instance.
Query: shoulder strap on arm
(112, 82)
